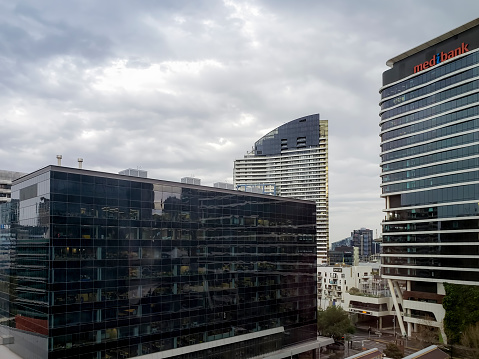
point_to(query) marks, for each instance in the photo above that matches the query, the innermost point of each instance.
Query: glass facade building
(292, 161)
(363, 240)
(98, 265)
(430, 172)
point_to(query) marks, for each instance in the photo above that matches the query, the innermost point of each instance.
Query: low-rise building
(358, 290)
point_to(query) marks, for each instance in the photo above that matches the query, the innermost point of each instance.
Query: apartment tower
(292, 161)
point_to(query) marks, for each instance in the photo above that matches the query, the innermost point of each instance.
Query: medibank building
(430, 174)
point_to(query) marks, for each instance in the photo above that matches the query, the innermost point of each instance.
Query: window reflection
(162, 263)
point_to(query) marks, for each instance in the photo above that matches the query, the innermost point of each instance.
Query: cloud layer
(183, 88)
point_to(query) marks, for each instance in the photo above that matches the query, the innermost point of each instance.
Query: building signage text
(442, 56)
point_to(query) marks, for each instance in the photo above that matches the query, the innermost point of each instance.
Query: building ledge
(415, 295)
(297, 349)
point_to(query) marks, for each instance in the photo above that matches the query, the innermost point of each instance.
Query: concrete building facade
(6, 179)
(357, 289)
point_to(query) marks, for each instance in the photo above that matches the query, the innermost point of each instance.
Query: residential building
(6, 178)
(358, 289)
(101, 265)
(292, 161)
(430, 174)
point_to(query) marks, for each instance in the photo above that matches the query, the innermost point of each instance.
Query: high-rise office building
(99, 265)
(430, 173)
(341, 255)
(292, 161)
(363, 240)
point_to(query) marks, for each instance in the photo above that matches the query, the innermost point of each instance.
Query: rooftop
(434, 41)
(431, 352)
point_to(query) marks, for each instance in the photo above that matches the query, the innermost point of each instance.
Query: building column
(396, 307)
(398, 291)
(411, 327)
(443, 334)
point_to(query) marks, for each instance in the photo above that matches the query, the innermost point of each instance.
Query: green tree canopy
(393, 351)
(335, 322)
(462, 309)
(354, 291)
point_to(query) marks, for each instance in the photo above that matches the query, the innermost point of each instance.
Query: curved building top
(300, 133)
(408, 63)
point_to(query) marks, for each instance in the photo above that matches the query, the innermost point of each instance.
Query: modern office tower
(6, 178)
(341, 255)
(292, 161)
(103, 265)
(347, 242)
(363, 240)
(430, 173)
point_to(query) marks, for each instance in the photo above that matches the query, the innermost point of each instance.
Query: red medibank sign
(442, 56)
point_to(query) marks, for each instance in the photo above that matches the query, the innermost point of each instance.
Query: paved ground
(362, 341)
(5, 353)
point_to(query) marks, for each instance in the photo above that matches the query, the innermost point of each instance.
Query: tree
(392, 351)
(334, 322)
(354, 291)
(427, 334)
(461, 308)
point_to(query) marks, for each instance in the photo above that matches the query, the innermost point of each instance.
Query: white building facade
(357, 289)
(292, 161)
(6, 178)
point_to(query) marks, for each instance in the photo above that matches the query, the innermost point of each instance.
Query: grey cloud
(182, 88)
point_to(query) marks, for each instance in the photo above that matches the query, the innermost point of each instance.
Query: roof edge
(433, 42)
(83, 171)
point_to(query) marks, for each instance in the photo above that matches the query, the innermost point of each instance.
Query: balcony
(375, 306)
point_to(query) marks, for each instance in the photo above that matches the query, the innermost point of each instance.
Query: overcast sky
(181, 88)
